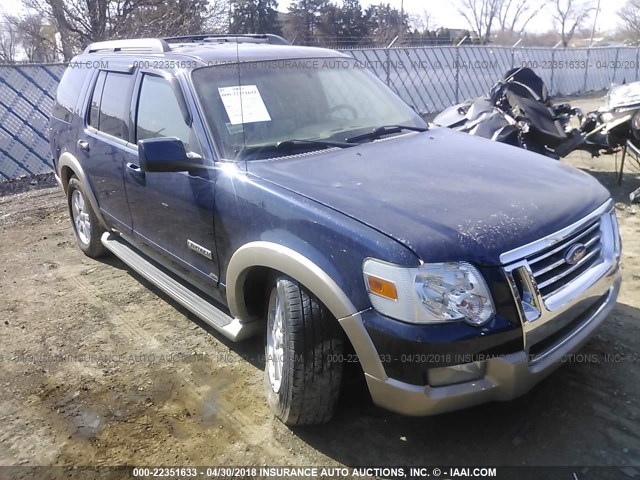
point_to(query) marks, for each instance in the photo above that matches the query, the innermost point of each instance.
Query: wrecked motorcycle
(518, 111)
(616, 125)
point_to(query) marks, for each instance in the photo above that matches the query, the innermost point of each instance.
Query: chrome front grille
(552, 278)
(550, 268)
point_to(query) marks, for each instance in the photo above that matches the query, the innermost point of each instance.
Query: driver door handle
(135, 171)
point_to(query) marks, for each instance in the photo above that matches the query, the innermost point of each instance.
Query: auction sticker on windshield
(244, 104)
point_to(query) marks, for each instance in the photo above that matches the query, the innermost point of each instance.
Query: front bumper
(507, 377)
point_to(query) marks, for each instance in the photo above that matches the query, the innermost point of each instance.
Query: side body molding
(67, 160)
(299, 267)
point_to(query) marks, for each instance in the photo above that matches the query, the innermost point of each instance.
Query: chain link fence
(26, 96)
(433, 78)
(428, 78)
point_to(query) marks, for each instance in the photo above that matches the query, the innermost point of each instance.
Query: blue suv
(286, 192)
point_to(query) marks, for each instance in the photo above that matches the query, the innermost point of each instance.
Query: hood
(445, 195)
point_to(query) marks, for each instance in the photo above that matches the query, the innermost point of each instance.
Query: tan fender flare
(299, 267)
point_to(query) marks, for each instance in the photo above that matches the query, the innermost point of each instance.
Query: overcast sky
(443, 13)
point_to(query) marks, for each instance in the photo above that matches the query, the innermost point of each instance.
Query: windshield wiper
(286, 144)
(380, 132)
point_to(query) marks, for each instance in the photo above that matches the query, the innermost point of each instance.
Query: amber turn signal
(381, 287)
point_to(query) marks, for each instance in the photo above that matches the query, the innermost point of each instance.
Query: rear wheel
(86, 225)
(304, 345)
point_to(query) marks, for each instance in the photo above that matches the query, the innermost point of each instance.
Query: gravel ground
(100, 368)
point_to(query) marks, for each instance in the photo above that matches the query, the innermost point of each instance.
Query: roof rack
(139, 45)
(161, 45)
(229, 37)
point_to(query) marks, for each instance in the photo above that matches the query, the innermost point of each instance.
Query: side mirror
(163, 155)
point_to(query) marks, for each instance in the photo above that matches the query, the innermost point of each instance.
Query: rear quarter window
(68, 92)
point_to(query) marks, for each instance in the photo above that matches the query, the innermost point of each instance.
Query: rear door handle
(83, 145)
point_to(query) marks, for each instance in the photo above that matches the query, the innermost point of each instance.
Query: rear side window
(159, 113)
(110, 104)
(68, 92)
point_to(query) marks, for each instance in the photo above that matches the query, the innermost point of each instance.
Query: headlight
(431, 293)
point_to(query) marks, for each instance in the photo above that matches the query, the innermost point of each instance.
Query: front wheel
(303, 365)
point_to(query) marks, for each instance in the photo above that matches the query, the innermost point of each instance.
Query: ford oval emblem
(575, 253)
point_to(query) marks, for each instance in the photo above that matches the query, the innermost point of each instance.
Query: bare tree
(515, 15)
(423, 22)
(158, 18)
(80, 22)
(480, 15)
(569, 16)
(36, 36)
(630, 16)
(219, 16)
(8, 41)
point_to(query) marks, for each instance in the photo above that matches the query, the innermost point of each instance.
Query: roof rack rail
(229, 37)
(138, 45)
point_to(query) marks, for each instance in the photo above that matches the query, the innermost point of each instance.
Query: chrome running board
(230, 327)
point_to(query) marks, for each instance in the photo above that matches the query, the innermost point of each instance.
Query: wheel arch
(289, 262)
(68, 165)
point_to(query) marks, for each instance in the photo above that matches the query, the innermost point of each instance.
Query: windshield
(252, 108)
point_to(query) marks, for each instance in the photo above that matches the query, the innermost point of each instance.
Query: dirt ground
(99, 368)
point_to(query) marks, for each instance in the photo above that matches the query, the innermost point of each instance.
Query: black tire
(311, 360)
(88, 238)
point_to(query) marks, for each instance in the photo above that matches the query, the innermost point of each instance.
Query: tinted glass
(159, 113)
(114, 107)
(94, 114)
(68, 92)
